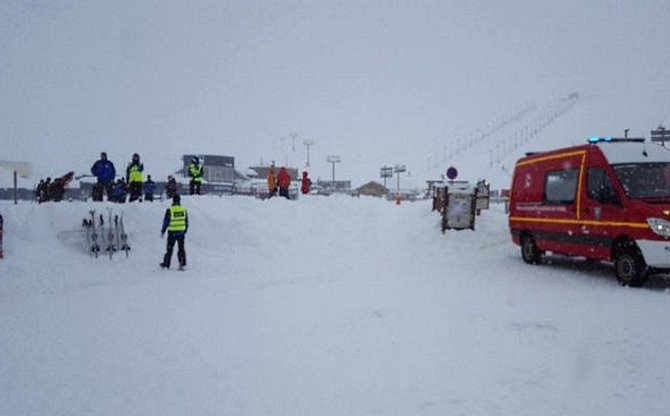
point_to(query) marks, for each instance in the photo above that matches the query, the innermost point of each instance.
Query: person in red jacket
(284, 181)
(306, 183)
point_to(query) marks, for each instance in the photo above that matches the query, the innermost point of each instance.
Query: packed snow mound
(324, 306)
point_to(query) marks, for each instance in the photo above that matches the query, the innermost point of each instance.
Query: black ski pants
(100, 188)
(194, 189)
(181, 252)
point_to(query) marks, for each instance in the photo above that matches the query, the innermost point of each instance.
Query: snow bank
(324, 306)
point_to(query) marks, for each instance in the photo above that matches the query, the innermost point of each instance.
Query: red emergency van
(606, 200)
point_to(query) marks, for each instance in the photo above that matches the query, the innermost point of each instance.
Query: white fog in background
(376, 82)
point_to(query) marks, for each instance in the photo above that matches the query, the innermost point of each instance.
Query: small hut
(373, 189)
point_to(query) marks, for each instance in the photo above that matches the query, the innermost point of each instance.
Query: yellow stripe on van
(581, 153)
(580, 222)
(557, 156)
(579, 185)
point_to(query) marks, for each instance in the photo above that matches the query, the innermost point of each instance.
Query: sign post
(386, 172)
(661, 135)
(307, 144)
(398, 169)
(333, 160)
(452, 173)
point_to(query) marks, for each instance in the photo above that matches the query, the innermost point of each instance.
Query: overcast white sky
(373, 81)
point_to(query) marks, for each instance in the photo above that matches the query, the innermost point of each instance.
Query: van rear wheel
(529, 251)
(630, 267)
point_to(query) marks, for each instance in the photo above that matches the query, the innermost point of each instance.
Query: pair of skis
(115, 236)
(2, 252)
(92, 235)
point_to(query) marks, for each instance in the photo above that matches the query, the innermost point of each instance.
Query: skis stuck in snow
(2, 253)
(112, 237)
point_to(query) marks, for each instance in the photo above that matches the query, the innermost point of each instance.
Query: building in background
(219, 174)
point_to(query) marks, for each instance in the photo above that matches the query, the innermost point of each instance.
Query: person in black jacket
(175, 223)
(171, 187)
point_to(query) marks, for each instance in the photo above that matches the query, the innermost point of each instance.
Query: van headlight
(659, 226)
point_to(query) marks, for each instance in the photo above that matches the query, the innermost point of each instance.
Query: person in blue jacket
(149, 189)
(103, 169)
(120, 191)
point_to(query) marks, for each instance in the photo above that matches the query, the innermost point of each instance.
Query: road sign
(452, 173)
(660, 135)
(386, 172)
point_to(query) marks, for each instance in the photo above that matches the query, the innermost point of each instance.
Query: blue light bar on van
(594, 140)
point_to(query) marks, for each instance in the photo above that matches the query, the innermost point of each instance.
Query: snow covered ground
(321, 306)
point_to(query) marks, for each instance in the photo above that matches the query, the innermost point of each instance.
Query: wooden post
(16, 191)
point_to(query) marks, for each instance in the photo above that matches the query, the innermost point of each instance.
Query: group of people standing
(282, 181)
(117, 190)
(175, 221)
(133, 186)
(51, 190)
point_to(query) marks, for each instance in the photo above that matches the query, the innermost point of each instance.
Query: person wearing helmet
(195, 172)
(175, 223)
(134, 177)
(103, 170)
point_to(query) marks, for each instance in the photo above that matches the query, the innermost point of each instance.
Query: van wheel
(630, 267)
(529, 250)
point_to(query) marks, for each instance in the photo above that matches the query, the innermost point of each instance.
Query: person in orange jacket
(284, 181)
(272, 183)
(306, 183)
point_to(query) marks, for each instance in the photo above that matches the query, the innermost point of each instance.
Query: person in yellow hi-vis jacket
(134, 178)
(196, 172)
(175, 223)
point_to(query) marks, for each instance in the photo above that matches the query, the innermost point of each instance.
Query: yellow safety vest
(177, 218)
(196, 172)
(135, 175)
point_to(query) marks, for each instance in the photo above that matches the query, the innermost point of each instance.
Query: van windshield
(644, 180)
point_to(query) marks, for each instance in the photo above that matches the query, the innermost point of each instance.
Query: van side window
(600, 187)
(560, 186)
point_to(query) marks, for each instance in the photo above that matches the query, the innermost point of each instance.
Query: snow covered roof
(634, 152)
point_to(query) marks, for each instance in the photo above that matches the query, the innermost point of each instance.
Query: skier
(195, 172)
(272, 182)
(171, 187)
(103, 169)
(134, 177)
(175, 223)
(306, 183)
(149, 189)
(284, 180)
